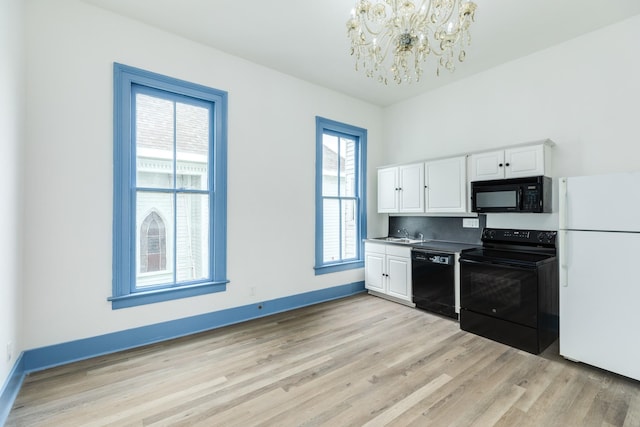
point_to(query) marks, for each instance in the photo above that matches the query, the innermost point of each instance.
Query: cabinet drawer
(375, 247)
(397, 250)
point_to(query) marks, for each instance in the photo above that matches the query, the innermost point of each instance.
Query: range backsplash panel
(437, 228)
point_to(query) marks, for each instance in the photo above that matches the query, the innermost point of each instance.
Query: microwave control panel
(531, 198)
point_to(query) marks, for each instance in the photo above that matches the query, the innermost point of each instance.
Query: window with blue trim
(170, 155)
(341, 220)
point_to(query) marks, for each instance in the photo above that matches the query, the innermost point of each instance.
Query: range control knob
(489, 234)
(546, 236)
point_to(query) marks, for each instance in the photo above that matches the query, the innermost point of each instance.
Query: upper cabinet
(401, 189)
(515, 162)
(445, 185)
(441, 186)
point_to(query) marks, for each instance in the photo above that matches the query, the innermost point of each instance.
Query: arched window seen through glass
(153, 246)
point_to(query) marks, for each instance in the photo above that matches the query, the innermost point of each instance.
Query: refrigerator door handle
(563, 237)
(562, 203)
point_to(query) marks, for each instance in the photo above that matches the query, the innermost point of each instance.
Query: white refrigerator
(599, 257)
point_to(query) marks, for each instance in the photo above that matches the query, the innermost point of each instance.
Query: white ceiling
(307, 38)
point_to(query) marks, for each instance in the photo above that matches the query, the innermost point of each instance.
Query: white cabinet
(387, 271)
(485, 166)
(388, 190)
(374, 267)
(446, 185)
(400, 189)
(515, 162)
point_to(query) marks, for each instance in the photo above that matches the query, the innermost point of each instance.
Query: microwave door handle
(519, 198)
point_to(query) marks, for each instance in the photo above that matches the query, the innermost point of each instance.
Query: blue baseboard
(10, 390)
(72, 351)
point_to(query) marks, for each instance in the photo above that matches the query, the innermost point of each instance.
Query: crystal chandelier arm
(425, 8)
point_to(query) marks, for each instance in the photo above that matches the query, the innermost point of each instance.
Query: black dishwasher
(433, 281)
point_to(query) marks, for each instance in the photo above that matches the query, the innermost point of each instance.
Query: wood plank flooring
(358, 361)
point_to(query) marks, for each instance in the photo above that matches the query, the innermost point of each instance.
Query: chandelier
(397, 36)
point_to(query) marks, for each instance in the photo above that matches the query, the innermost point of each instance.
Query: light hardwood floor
(356, 361)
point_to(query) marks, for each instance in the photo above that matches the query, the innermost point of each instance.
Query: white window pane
(331, 230)
(349, 228)
(330, 164)
(192, 145)
(154, 139)
(348, 167)
(154, 239)
(192, 237)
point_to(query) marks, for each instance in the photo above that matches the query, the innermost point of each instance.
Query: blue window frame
(169, 198)
(341, 221)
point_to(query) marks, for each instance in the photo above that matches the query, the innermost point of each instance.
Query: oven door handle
(499, 263)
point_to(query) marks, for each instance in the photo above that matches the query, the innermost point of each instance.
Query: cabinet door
(412, 188)
(373, 271)
(524, 161)
(446, 185)
(399, 277)
(388, 190)
(485, 166)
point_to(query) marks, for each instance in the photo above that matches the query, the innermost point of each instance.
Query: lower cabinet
(387, 271)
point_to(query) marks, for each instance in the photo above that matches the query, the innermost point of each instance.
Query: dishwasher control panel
(445, 259)
(438, 259)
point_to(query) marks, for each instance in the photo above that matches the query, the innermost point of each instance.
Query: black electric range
(509, 288)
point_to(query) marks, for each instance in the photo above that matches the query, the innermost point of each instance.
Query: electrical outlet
(470, 222)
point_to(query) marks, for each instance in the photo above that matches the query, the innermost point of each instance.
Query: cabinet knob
(507, 164)
(500, 165)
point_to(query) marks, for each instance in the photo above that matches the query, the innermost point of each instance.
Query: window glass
(330, 165)
(348, 167)
(154, 140)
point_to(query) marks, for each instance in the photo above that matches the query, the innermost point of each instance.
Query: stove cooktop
(507, 256)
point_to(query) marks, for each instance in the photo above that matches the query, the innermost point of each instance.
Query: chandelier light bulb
(393, 38)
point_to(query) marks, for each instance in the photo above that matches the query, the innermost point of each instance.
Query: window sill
(333, 268)
(167, 294)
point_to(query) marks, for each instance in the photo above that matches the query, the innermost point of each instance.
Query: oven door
(500, 290)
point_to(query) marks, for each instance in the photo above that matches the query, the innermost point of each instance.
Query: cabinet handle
(400, 188)
(500, 165)
(507, 164)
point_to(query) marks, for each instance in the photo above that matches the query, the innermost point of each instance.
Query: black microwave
(531, 194)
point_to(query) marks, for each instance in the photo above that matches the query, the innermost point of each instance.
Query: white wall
(68, 182)
(11, 122)
(582, 94)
